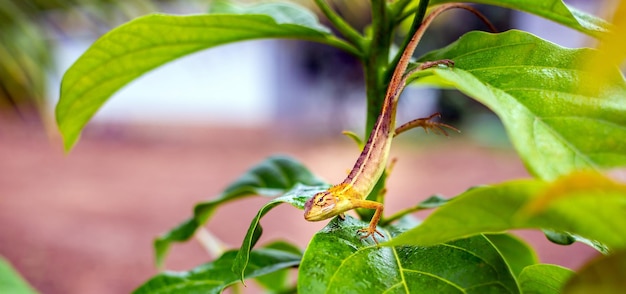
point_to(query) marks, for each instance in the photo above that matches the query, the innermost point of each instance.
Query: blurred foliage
(28, 29)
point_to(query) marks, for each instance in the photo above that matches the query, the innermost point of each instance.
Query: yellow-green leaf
(145, 43)
(604, 274)
(555, 125)
(596, 213)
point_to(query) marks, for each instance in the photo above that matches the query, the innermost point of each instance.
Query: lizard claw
(436, 127)
(429, 64)
(428, 125)
(370, 232)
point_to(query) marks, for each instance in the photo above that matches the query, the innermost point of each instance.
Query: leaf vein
(471, 253)
(436, 277)
(400, 268)
(469, 53)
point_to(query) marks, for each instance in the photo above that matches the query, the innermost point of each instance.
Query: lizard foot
(370, 232)
(429, 64)
(427, 124)
(436, 127)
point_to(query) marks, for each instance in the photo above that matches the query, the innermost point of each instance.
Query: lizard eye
(320, 200)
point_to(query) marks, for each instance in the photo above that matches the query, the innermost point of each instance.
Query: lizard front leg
(427, 124)
(371, 229)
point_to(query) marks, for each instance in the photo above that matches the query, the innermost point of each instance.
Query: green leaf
(544, 279)
(338, 261)
(565, 238)
(272, 177)
(514, 250)
(487, 209)
(561, 238)
(296, 197)
(11, 281)
(214, 277)
(602, 275)
(359, 142)
(556, 124)
(278, 281)
(554, 10)
(433, 201)
(595, 210)
(611, 48)
(145, 43)
(281, 12)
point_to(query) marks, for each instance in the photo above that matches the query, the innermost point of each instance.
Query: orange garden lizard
(353, 191)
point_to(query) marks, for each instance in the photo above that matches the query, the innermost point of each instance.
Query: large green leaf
(544, 279)
(215, 276)
(282, 12)
(554, 10)
(515, 252)
(11, 281)
(612, 48)
(145, 43)
(272, 177)
(280, 281)
(296, 197)
(338, 261)
(595, 210)
(602, 275)
(556, 124)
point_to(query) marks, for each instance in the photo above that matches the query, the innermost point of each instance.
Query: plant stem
(396, 216)
(397, 9)
(417, 22)
(213, 246)
(376, 61)
(339, 43)
(341, 25)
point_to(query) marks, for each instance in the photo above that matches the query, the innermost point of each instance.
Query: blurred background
(85, 222)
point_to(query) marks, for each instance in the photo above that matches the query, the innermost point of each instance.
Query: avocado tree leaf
(544, 279)
(555, 10)
(279, 281)
(11, 281)
(338, 261)
(272, 177)
(604, 274)
(215, 276)
(517, 253)
(147, 42)
(556, 124)
(611, 51)
(595, 210)
(296, 197)
(281, 12)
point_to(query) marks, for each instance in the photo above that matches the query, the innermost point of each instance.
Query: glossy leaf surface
(604, 274)
(145, 43)
(517, 253)
(594, 210)
(338, 261)
(555, 10)
(544, 279)
(296, 197)
(272, 177)
(556, 124)
(215, 276)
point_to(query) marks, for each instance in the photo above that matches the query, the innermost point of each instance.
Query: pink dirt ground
(85, 223)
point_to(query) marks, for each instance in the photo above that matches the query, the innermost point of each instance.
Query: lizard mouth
(314, 212)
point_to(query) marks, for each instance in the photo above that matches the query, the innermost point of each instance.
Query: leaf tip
(161, 247)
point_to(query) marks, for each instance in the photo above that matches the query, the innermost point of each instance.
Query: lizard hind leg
(427, 124)
(370, 232)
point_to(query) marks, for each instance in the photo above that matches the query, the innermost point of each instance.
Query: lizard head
(320, 207)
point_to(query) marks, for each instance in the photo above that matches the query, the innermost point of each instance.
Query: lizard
(371, 163)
